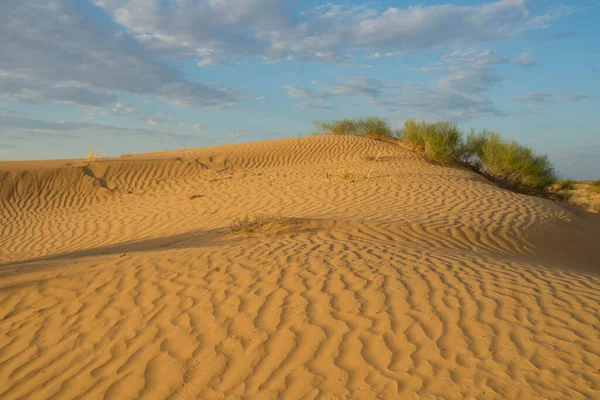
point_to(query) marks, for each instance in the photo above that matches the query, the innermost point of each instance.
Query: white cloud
(213, 31)
(18, 128)
(357, 66)
(117, 109)
(572, 97)
(525, 60)
(107, 60)
(258, 98)
(472, 80)
(18, 86)
(60, 52)
(312, 106)
(460, 94)
(560, 35)
(544, 98)
(298, 92)
(198, 126)
(206, 62)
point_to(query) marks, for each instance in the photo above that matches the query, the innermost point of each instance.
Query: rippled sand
(120, 280)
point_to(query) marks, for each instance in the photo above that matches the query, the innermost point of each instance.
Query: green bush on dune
(508, 161)
(354, 127)
(502, 160)
(441, 141)
(505, 161)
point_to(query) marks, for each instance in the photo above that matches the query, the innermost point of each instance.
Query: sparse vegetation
(564, 216)
(350, 175)
(256, 224)
(566, 184)
(510, 163)
(585, 194)
(375, 158)
(440, 141)
(504, 161)
(370, 126)
(92, 155)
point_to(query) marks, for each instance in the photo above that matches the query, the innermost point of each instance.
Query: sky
(132, 76)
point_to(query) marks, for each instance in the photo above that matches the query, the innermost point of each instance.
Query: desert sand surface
(121, 279)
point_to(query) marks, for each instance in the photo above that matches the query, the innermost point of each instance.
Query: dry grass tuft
(376, 158)
(564, 216)
(92, 155)
(350, 175)
(566, 184)
(258, 224)
(584, 194)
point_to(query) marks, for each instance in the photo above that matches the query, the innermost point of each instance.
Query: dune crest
(120, 279)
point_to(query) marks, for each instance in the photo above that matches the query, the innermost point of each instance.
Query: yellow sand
(120, 280)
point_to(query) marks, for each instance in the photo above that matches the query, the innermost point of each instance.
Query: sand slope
(119, 279)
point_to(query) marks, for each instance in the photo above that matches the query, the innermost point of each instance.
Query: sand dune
(120, 280)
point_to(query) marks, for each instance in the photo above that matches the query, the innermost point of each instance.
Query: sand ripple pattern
(422, 282)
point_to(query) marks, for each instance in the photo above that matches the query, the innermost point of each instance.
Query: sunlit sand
(384, 276)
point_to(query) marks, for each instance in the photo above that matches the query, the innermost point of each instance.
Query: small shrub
(566, 184)
(257, 224)
(413, 133)
(338, 127)
(473, 148)
(436, 150)
(516, 164)
(563, 196)
(350, 175)
(595, 184)
(504, 161)
(441, 141)
(375, 126)
(92, 155)
(370, 126)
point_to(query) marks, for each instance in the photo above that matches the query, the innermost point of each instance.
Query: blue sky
(145, 75)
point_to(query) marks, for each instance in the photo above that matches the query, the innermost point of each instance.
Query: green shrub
(595, 184)
(338, 127)
(413, 133)
(436, 150)
(513, 163)
(355, 127)
(375, 126)
(473, 148)
(450, 137)
(441, 141)
(505, 161)
(566, 184)
(563, 196)
(484, 151)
